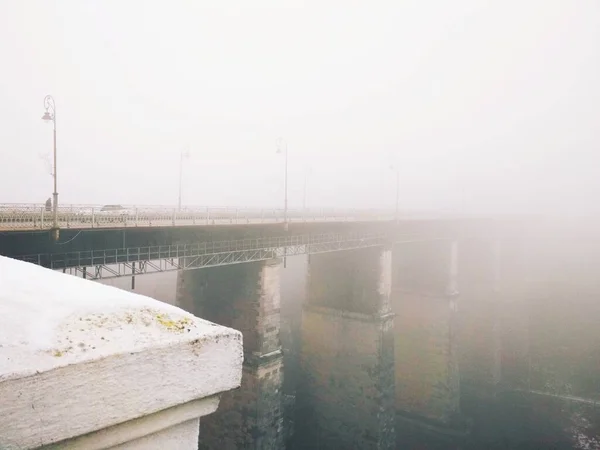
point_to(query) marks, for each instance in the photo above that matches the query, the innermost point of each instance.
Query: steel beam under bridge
(123, 262)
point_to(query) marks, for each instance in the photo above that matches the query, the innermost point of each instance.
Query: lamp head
(47, 116)
(280, 146)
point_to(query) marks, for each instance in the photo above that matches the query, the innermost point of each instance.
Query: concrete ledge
(437, 295)
(77, 357)
(380, 317)
(139, 428)
(410, 423)
(254, 360)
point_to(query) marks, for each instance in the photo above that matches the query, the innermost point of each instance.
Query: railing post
(174, 215)
(136, 217)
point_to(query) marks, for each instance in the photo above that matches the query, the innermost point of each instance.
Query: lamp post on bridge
(397, 169)
(183, 154)
(50, 115)
(307, 171)
(282, 148)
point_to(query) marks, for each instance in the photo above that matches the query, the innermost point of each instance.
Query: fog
(474, 106)
(484, 106)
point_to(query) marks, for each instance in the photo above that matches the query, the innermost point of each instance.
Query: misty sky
(484, 105)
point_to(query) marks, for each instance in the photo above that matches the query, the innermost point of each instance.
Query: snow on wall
(49, 319)
(78, 357)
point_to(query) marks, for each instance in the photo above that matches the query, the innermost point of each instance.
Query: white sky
(484, 105)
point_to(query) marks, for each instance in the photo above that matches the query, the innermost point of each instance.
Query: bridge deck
(36, 217)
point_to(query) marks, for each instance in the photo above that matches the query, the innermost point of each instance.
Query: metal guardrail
(114, 263)
(141, 260)
(36, 217)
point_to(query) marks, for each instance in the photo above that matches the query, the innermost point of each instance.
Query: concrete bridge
(395, 314)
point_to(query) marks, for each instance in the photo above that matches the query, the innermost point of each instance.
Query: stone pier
(479, 335)
(494, 316)
(424, 302)
(246, 297)
(346, 392)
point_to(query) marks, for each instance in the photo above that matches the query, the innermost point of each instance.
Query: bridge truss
(126, 262)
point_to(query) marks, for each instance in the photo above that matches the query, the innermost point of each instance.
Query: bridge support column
(493, 335)
(425, 304)
(517, 271)
(245, 297)
(346, 391)
(479, 331)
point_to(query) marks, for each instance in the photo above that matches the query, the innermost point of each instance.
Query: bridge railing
(34, 216)
(91, 258)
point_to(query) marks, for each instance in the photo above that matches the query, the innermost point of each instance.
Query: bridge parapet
(38, 217)
(88, 366)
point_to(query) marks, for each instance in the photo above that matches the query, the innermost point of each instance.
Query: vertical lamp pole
(306, 172)
(182, 154)
(282, 148)
(397, 169)
(50, 115)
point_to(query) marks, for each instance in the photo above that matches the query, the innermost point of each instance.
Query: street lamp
(50, 115)
(282, 148)
(183, 154)
(307, 171)
(397, 169)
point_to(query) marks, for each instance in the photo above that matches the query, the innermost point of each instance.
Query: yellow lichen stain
(58, 353)
(145, 316)
(173, 325)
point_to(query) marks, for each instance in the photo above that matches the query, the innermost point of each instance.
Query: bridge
(382, 351)
(99, 243)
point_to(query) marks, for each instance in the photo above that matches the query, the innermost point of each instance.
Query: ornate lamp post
(282, 148)
(184, 154)
(307, 171)
(396, 167)
(50, 115)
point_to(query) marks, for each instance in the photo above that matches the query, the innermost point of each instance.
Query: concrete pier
(425, 305)
(245, 296)
(346, 393)
(480, 324)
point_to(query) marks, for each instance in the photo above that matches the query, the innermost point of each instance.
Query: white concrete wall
(87, 366)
